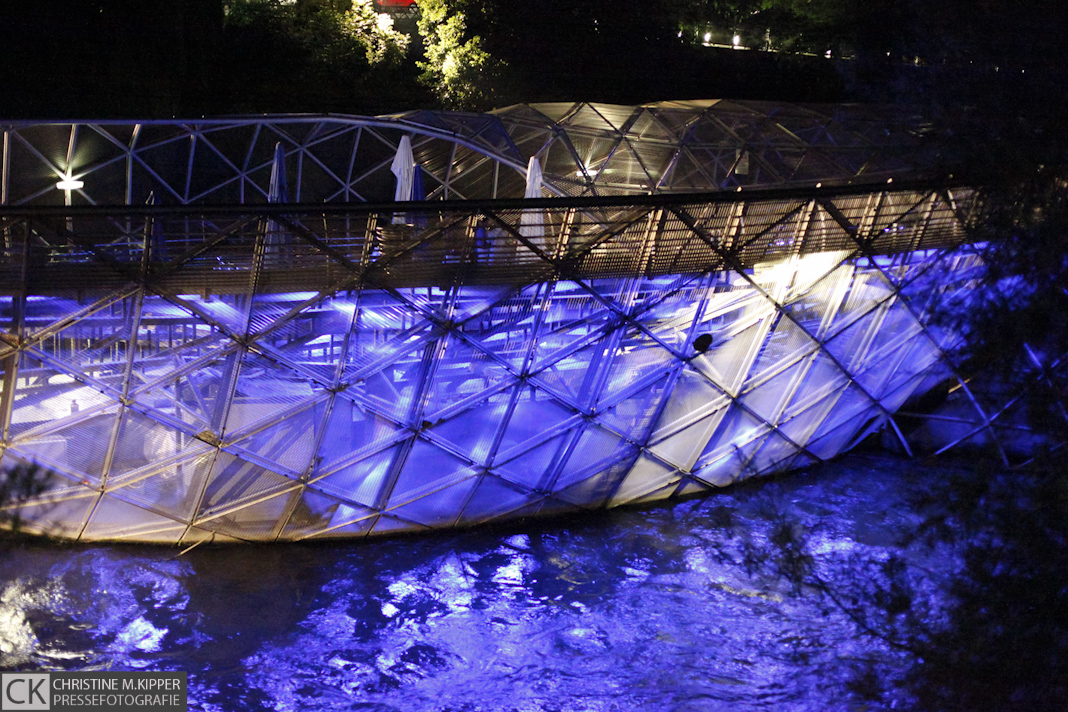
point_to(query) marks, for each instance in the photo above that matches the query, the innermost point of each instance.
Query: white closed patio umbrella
(403, 168)
(277, 192)
(532, 222)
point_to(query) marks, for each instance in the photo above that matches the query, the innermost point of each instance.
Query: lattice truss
(584, 149)
(285, 374)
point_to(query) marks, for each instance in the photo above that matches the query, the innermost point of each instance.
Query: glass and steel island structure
(280, 328)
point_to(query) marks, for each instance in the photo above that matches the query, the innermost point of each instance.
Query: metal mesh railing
(292, 247)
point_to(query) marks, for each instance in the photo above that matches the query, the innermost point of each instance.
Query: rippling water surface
(650, 609)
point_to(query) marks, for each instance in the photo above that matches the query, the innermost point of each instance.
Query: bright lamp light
(69, 183)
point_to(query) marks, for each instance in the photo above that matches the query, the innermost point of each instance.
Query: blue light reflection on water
(646, 609)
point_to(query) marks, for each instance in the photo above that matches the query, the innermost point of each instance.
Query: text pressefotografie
(98, 699)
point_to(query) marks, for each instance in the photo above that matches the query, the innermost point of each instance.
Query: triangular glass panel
(355, 530)
(682, 448)
(351, 431)
(929, 268)
(774, 455)
(440, 508)
(647, 126)
(478, 302)
(265, 390)
(391, 525)
(692, 398)
(531, 468)
(574, 377)
(332, 152)
(427, 469)
(55, 517)
(363, 480)
(828, 443)
(799, 428)
(596, 450)
(293, 323)
(346, 515)
(57, 485)
(811, 307)
(867, 290)
(287, 444)
(98, 342)
(207, 169)
(461, 373)
(647, 475)
(737, 429)
(506, 328)
(536, 418)
(558, 340)
(786, 345)
(389, 393)
(397, 343)
(235, 482)
(850, 412)
(115, 519)
(902, 390)
(768, 399)
(730, 466)
(428, 301)
(473, 431)
(197, 397)
(728, 362)
(633, 416)
(145, 444)
(690, 173)
(822, 376)
(690, 487)
(54, 398)
(256, 521)
(637, 358)
(79, 449)
(883, 369)
(494, 498)
(595, 491)
(226, 311)
(848, 345)
(170, 336)
(312, 512)
(172, 488)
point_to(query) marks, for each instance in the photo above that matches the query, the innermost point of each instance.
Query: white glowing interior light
(708, 36)
(737, 40)
(69, 183)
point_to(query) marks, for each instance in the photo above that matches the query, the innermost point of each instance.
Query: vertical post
(18, 319)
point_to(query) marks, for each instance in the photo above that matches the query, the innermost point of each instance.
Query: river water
(654, 608)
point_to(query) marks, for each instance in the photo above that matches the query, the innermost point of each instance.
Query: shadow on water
(658, 608)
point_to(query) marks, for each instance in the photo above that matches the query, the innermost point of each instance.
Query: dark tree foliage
(622, 51)
(1005, 645)
(299, 58)
(17, 485)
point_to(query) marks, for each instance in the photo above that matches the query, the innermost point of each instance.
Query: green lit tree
(457, 66)
(375, 32)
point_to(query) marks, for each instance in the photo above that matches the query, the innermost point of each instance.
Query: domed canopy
(583, 148)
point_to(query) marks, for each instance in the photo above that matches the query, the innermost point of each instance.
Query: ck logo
(25, 691)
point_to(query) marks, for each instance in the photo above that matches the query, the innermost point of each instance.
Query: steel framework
(213, 366)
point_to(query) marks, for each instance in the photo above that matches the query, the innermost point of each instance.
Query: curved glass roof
(583, 148)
